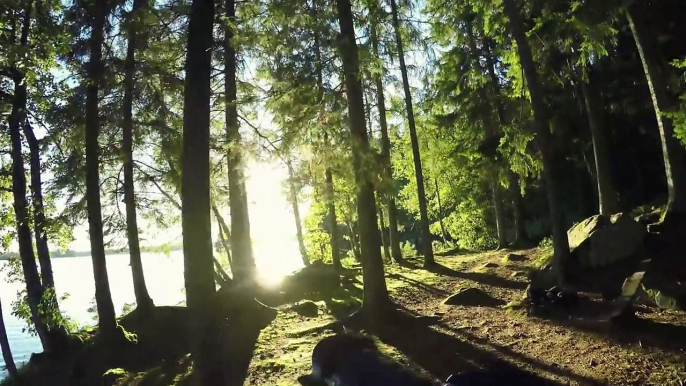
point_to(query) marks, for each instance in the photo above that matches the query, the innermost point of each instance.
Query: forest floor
(577, 350)
(435, 339)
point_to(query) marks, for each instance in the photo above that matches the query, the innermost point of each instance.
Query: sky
(271, 217)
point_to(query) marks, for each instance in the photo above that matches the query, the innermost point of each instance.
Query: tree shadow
(443, 355)
(239, 336)
(482, 278)
(508, 352)
(636, 331)
(416, 283)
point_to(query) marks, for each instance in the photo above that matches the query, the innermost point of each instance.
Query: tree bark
(328, 187)
(672, 151)
(389, 194)
(103, 297)
(440, 212)
(224, 236)
(499, 213)
(427, 249)
(16, 120)
(520, 230)
(143, 300)
(333, 222)
(195, 196)
(241, 242)
(550, 169)
(5, 346)
(376, 298)
(39, 222)
(607, 197)
(382, 230)
(492, 131)
(296, 215)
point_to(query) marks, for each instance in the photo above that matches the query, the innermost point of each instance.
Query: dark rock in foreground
(513, 257)
(472, 297)
(306, 308)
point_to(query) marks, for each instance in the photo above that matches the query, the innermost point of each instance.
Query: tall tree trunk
(520, 230)
(143, 300)
(103, 297)
(328, 187)
(440, 211)
(375, 299)
(389, 194)
(499, 213)
(42, 248)
(427, 249)
(607, 197)
(16, 120)
(492, 131)
(672, 151)
(296, 215)
(195, 197)
(241, 242)
(333, 222)
(382, 230)
(224, 236)
(5, 346)
(550, 168)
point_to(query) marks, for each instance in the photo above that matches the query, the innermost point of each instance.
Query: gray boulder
(601, 241)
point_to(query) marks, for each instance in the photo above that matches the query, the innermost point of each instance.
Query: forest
(488, 190)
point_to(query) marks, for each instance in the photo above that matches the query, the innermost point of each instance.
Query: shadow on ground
(637, 331)
(482, 278)
(443, 355)
(418, 284)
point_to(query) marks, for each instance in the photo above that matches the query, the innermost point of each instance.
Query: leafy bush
(546, 243)
(408, 249)
(440, 246)
(468, 225)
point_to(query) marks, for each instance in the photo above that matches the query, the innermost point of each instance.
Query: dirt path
(573, 351)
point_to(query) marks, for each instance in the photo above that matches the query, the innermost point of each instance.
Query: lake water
(164, 279)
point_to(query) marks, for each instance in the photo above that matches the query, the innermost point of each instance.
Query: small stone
(307, 309)
(490, 265)
(513, 257)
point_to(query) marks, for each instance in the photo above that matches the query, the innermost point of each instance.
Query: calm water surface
(74, 276)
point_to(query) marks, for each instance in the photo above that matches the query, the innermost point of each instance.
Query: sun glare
(272, 224)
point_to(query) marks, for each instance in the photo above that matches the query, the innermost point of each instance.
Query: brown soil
(578, 349)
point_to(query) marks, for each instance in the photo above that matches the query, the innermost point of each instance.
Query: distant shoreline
(70, 253)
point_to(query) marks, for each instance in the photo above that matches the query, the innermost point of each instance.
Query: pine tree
(673, 153)
(16, 120)
(550, 170)
(195, 196)
(375, 292)
(427, 248)
(143, 300)
(241, 243)
(106, 315)
(5, 347)
(394, 235)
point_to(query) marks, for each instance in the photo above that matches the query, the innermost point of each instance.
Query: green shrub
(408, 249)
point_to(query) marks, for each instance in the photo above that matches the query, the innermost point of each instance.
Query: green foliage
(679, 116)
(47, 308)
(408, 249)
(468, 225)
(546, 243)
